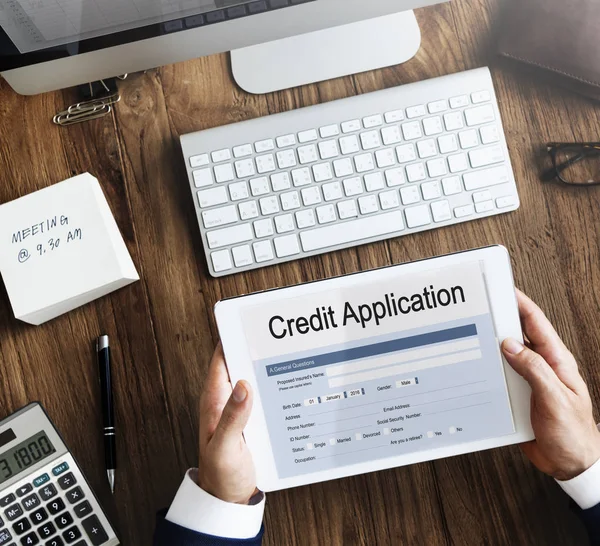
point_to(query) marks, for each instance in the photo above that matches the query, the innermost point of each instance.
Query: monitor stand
(327, 54)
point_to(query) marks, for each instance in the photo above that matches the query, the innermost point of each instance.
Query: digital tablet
(378, 369)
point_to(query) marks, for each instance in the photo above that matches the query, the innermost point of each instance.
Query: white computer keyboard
(363, 169)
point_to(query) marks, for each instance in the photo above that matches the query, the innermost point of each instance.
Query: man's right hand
(567, 440)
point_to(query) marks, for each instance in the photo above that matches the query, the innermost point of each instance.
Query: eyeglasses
(574, 164)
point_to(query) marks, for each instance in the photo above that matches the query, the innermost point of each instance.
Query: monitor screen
(33, 31)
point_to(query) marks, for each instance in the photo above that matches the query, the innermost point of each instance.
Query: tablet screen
(383, 369)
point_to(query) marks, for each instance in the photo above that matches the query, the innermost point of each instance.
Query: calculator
(44, 497)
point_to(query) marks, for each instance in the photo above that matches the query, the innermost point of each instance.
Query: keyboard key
(5, 536)
(238, 191)
(468, 139)
(263, 228)
(308, 154)
(427, 148)
(347, 209)
(221, 260)
(311, 196)
(406, 153)
(454, 121)
(441, 211)
(480, 115)
(269, 205)
(332, 191)
(329, 131)
(486, 206)
(281, 181)
(305, 218)
(242, 151)
(416, 172)
(448, 144)
(219, 217)
(394, 177)
(410, 195)
(195, 162)
(64, 520)
(462, 212)
(221, 155)
(286, 140)
(46, 530)
(6, 500)
(21, 526)
(38, 516)
(248, 210)
(22, 491)
(308, 136)
(415, 111)
(290, 200)
(322, 172)
(259, 186)
(242, 257)
(352, 231)
(265, 164)
(57, 541)
(351, 126)
(343, 167)
(385, 158)
(353, 186)
(13, 512)
(264, 146)
(284, 223)
(328, 149)
(372, 121)
(486, 157)
(41, 480)
(94, 530)
(370, 140)
(203, 178)
(374, 182)
(437, 167)
(433, 126)
(486, 178)
(263, 251)
(55, 506)
(481, 196)
(349, 145)
(30, 540)
(437, 106)
(364, 163)
(417, 216)
(229, 236)
(245, 168)
(206, 198)
(286, 159)
(452, 185)
(507, 201)
(75, 495)
(301, 177)
(326, 214)
(458, 163)
(489, 134)
(481, 96)
(72, 534)
(224, 173)
(389, 200)
(391, 135)
(286, 246)
(431, 190)
(395, 116)
(368, 204)
(412, 130)
(459, 102)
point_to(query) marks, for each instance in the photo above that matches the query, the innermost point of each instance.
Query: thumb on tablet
(235, 414)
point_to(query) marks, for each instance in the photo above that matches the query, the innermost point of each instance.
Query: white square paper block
(60, 248)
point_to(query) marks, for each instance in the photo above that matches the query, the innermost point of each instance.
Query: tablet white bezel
(496, 266)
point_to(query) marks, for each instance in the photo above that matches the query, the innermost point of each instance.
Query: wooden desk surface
(163, 330)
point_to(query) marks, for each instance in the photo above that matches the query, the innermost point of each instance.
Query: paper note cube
(60, 248)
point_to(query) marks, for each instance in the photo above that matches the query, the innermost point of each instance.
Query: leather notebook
(558, 37)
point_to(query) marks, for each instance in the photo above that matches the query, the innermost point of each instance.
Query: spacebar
(350, 232)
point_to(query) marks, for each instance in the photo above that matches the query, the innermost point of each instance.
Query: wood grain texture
(163, 330)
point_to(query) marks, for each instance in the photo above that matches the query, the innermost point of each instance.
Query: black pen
(108, 413)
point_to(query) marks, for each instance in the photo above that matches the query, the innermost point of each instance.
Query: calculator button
(94, 530)
(75, 495)
(46, 530)
(72, 534)
(30, 540)
(58, 470)
(56, 541)
(41, 480)
(64, 520)
(67, 481)
(5, 536)
(81, 543)
(31, 502)
(38, 516)
(56, 506)
(5, 501)
(83, 509)
(48, 492)
(21, 526)
(13, 512)
(24, 490)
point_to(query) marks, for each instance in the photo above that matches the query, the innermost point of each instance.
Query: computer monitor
(54, 44)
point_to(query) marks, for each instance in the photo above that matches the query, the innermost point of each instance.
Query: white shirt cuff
(197, 510)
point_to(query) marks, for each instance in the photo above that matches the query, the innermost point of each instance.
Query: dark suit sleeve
(169, 534)
(591, 520)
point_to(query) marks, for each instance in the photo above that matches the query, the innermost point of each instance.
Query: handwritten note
(60, 248)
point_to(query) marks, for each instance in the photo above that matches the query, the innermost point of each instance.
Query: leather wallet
(558, 37)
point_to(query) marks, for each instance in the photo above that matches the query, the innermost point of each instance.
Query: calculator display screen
(26, 454)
